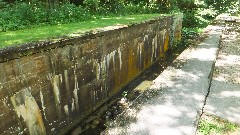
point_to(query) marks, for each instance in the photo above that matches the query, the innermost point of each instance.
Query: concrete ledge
(22, 50)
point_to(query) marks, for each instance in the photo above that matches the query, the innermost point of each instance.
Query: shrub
(92, 5)
(189, 19)
(133, 9)
(2, 4)
(23, 15)
(67, 13)
(40, 14)
(17, 17)
(116, 6)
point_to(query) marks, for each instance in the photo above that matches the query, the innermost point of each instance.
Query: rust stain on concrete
(68, 82)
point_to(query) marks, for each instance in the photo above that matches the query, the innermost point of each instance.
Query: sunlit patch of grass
(196, 30)
(11, 38)
(212, 125)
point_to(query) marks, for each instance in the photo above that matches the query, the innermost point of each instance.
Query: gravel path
(227, 67)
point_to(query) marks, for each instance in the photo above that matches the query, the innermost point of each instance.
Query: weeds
(212, 125)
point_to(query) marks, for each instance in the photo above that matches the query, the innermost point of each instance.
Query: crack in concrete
(210, 77)
(200, 113)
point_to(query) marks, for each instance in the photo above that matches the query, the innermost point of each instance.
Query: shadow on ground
(224, 96)
(176, 97)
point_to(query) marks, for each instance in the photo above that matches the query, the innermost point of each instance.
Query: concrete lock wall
(49, 87)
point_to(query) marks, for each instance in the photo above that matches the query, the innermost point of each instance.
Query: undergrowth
(212, 125)
(23, 14)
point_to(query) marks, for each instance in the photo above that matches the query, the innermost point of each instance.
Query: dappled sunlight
(229, 38)
(10, 34)
(221, 77)
(198, 97)
(223, 101)
(203, 56)
(180, 92)
(143, 86)
(227, 17)
(230, 93)
(227, 67)
(130, 18)
(103, 19)
(124, 18)
(12, 42)
(224, 96)
(228, 60)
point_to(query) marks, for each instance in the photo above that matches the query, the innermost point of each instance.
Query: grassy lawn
(212, 125)
(11, 38)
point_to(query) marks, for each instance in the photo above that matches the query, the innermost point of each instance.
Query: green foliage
(186, 4)
(67, 13)
(22, 15)
(19, 16)
(92, 5)
(215, 125)
(112, 7)
(208, 13)
(191, 33)
(2, 4)
(116, 6)
(133, 9)
(25, 14)
(193, 19)
(220, 5)
(189, 19)
(196, 13)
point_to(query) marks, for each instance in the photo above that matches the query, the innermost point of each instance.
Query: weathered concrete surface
(48, 88)
(223, 101)
(224, 96)
(176, 97)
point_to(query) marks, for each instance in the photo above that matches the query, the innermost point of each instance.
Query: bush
(23, 15)
(133, 9)
(20, 15)
(67, 13)
(40, 14)
(116, 7)
(2, 4)
(92, 5)
(189, 19)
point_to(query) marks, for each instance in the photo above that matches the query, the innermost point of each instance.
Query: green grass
(196, 30)
(212, 125)
(12, 38)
